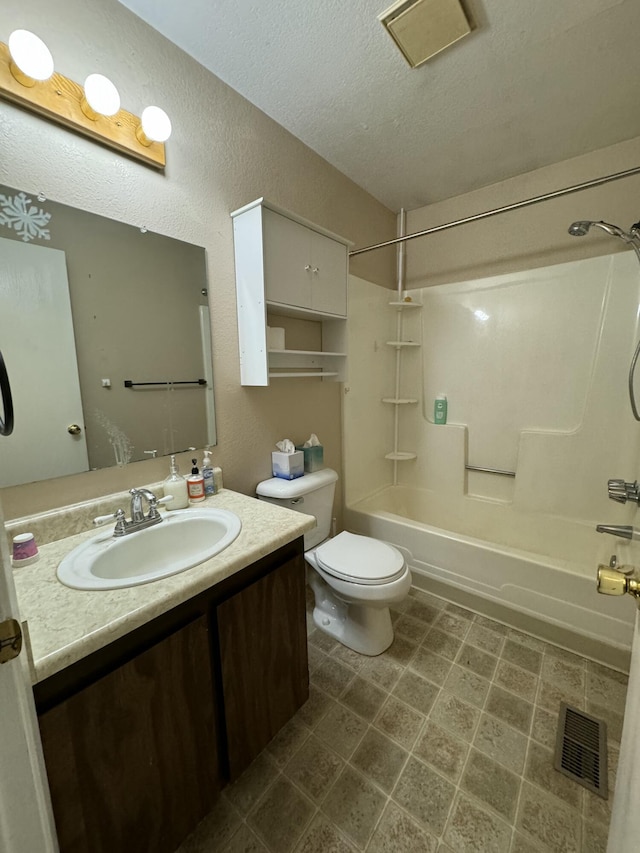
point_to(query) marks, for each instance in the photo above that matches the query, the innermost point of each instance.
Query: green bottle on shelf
(440, 409)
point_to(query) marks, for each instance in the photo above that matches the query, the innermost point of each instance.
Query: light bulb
(100, 97)
(31, 59)
(155, 126)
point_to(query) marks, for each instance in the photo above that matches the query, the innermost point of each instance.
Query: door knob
(74, 429)
(614, 582)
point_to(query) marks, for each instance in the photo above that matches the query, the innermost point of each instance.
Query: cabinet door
(287, 260)
(329, 264)
(263, 652)
(132, 759)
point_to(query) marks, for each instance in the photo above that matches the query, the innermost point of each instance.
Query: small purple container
(25, 549)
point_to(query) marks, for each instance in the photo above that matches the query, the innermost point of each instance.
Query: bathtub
(532, 571)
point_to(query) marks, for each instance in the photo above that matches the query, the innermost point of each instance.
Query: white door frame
(26, 818)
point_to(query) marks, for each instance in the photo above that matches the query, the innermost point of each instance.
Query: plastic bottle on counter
(207, 473)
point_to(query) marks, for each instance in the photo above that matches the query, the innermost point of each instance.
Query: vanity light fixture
(100, 97)
(155, 126)
(31, 59)
(27, 78)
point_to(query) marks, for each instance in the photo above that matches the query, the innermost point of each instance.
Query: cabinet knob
(307, 267)
(315, 270)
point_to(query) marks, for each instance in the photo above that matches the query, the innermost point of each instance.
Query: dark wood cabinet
(132, 759)
(140, 737)
(263, 654)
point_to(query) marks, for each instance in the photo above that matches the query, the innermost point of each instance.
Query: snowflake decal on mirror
(17, 212)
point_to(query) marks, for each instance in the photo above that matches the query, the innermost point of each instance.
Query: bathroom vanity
(147, 710)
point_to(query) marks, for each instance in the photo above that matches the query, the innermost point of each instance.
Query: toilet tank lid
(276, 487)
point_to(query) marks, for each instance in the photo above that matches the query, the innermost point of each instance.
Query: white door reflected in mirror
(36, 331)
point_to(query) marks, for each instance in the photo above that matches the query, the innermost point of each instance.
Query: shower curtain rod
(596, 182)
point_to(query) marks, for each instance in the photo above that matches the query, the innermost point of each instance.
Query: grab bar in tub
(490, 470)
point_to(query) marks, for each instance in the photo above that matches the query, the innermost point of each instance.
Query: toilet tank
(311, 494)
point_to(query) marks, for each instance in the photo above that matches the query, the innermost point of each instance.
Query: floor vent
(581, 749)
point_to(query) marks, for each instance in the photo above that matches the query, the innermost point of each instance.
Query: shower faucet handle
(621, 491)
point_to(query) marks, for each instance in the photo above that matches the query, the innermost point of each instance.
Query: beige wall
(531, 237)
(223, 153)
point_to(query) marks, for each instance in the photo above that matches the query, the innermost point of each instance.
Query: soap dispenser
(176, 485)
(195, 484)
(207, 473)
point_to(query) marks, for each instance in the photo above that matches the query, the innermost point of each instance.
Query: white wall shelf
(405, 304)
(399, 401)
(290, 267)
(319, 374)
(401, 344)
(321, 353)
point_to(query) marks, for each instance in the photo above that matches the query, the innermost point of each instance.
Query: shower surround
(534, 365)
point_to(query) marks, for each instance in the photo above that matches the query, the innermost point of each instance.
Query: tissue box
(313, 457)
(287, 466)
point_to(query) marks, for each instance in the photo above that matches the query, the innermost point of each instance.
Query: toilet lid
(360, 559)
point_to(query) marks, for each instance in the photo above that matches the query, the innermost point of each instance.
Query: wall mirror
(105, 332)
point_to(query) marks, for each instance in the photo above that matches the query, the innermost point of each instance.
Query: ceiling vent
(422, 28)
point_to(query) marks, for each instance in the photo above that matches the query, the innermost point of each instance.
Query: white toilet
(354, 578)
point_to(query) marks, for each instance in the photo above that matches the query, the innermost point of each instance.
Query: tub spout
(624, 531)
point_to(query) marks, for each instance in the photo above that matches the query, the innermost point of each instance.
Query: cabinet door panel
(132, 759)
(263, 652)
(287, 260)
(329, 275)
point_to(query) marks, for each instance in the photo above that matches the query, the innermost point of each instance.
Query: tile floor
(441, 745)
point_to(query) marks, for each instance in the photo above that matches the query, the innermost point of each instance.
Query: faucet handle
(621, 491)
(120, 521)
(103, 519)
(155, 502)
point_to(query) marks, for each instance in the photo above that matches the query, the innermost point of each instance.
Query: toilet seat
(360, 559)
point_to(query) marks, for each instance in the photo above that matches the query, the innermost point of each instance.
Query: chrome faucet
(137, 514)
(139, 521)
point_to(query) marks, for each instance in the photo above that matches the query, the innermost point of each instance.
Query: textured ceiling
(535, 83)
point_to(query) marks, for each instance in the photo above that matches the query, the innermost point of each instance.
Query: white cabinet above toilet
(288, 267)
(303, 267)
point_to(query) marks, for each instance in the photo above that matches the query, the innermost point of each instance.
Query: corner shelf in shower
(401, 456)
(396, 401)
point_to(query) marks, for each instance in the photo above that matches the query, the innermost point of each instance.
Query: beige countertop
(65, 625)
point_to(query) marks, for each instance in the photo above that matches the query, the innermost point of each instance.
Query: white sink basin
(183, 539)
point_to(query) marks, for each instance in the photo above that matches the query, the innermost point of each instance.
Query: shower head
(580, 228)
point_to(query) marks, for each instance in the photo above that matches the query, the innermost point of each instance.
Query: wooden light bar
(59, 99)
